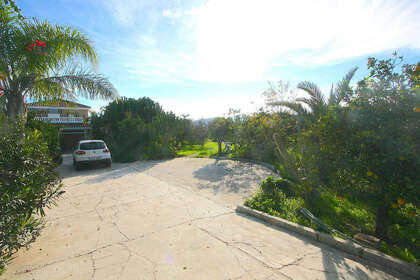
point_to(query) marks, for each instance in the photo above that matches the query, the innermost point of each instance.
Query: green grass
(347, 216)
(209, 149)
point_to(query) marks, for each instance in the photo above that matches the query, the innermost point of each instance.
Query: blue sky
(203, 57)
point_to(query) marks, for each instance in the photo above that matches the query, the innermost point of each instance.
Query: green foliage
(37, 61)
(140, 129)
(50, 134)
(403, 254)
(29, 182)
(349, 217)
(273, 201)
(11, 5)
(221, 129)
(209, 149)
(354, 159)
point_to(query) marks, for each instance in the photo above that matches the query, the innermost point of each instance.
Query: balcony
(61, 120)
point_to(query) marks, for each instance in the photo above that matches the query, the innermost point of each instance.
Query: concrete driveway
(172, 219)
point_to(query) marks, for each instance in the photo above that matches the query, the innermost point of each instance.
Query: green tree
(139, 129)
(310, 108)
(372, 145)
(29, 182)
(36, 62)
(221, 130)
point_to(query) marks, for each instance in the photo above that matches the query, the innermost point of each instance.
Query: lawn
(209, 149)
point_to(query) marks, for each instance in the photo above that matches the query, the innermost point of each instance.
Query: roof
(57, 103)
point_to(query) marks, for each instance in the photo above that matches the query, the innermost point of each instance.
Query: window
(92, 146)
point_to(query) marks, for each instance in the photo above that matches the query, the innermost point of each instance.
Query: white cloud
(243, 40)
(211, 105)
(237, 40)
(123, 11)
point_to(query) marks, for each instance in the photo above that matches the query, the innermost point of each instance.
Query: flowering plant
(37, 46)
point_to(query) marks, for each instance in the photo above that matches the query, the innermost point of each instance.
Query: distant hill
(206, 121)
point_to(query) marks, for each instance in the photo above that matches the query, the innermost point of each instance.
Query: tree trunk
(219, 145)
(381, 229)
(15, 107)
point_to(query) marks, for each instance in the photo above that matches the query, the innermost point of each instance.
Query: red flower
(38, 42)
(1, 94)
(43, 44)
(32, 45)
(29, 48)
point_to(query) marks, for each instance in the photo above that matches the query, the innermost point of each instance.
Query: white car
(91, 151)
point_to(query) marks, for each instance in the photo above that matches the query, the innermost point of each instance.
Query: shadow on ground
(226, 176)
(97, 173)
(334, 261)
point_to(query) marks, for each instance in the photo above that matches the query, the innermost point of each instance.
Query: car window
(92, 146)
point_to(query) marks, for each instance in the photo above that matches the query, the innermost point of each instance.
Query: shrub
(140, 129)
(29, 182)
(270, 199)
(50, 134)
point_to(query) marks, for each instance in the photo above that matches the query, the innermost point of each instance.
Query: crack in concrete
(142, 257)
(187, 189)
(64, 259)
(248, 244)
(273, 269)
(245, 270)
(130, 254)
(93, 266)
(119, 230)
(143, 198)
(296, 261)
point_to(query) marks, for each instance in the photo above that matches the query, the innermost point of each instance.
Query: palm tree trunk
(15, 107)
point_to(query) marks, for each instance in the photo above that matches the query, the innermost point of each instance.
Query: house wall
(44, 112)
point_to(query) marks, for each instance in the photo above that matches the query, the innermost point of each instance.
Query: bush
(271, 199)
(50, 134)
(140, 130)
(29, 182)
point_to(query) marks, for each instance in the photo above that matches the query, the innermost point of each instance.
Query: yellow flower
(394, 205)
(348, 185)
(403, 158)
(369, 173)
(376, 177)
(416, 109)
(310, 189)
(401, 201)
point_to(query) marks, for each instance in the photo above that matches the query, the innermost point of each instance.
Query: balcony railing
(60, 119)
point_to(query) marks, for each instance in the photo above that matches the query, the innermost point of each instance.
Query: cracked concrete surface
(173, 219)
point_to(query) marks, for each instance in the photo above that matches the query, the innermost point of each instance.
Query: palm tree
(316, 103)
(37, 61)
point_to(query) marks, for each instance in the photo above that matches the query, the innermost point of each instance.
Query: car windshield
(92, 146)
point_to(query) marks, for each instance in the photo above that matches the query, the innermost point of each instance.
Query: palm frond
(343, 89)
(333, 100)
(48, 89)
(77, 82)
(313, 90)
(63, 43)
(292, 106)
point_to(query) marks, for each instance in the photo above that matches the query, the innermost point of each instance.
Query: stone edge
(338, 243)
